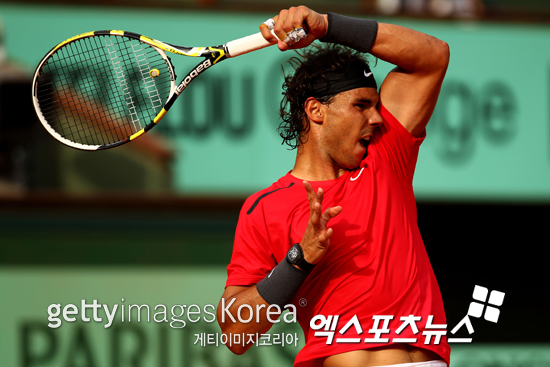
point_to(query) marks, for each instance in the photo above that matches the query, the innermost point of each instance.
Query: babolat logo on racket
(192, 75)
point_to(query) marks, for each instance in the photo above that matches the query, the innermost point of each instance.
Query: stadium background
(154, 224)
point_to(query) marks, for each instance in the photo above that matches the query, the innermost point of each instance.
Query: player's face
(349, 123)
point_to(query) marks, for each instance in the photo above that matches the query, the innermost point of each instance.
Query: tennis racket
(102, 89)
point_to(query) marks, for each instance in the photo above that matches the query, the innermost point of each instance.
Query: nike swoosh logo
(367, 75)
(356, 177)
(271, 273)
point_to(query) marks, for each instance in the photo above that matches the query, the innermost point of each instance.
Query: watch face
(293, 254)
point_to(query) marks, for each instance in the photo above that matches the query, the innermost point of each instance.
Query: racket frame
(212, 56)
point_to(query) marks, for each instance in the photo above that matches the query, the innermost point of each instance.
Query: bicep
(411, 96)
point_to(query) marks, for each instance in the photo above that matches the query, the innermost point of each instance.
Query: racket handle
(246, 44)
(257, 41)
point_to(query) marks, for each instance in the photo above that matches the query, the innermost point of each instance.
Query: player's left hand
(289, 19)
(316, 239)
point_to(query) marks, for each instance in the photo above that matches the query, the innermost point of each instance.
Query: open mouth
(365, 142)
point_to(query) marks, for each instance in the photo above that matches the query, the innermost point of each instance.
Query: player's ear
(314, 110)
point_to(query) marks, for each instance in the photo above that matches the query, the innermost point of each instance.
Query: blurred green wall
(489, 138)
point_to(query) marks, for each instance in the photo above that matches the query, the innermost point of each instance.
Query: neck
(313, 165)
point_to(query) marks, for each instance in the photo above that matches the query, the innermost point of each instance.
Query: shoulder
(275, 197)
(392, 126)
(394, 146)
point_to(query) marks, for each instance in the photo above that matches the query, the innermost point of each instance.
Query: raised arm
(409, 91)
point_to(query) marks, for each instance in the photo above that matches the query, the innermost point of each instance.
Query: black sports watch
(295, 256)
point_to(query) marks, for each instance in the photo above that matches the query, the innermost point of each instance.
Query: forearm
(233, 309)
(254, 309)
(411, 50)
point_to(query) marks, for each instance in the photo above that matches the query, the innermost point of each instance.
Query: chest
(371, 199)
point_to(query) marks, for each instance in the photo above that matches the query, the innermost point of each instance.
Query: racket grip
(246, 44)
(257, 41)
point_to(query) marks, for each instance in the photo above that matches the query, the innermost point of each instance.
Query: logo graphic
(367, 75)
(356, 177)
(325, 326)
(496, 298)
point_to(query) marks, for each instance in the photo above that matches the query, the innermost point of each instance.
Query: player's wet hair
(315, 63)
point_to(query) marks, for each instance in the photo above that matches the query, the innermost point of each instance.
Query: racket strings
(144, 68)
(81, 106)
(65, 96)
(98, 90)
(108, 131)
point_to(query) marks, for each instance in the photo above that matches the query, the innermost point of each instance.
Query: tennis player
(338, 234)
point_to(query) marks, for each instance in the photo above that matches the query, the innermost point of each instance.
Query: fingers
(287, 21)
(316, 239)
(311, 195)
(324, 237)
(309, 189)
(264, 29)
(315, 200)
(318, 218)
(294, 19)
(282, 27)
(330, 213)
